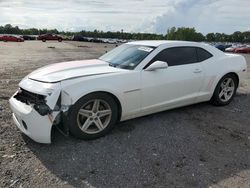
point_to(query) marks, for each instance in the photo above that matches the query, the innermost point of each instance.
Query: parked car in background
(244, 50)
(231, 49)
(11, 38)
(46, 37)
(88, 97)
(112, 41)
(96, 40)
(220, 47)
(121, 41)
(28, 37)
(66, 37)
(80, 38)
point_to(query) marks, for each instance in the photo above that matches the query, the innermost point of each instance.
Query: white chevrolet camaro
(87, 98)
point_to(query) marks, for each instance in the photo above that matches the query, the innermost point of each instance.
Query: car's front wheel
(93, 116)
(225, 90)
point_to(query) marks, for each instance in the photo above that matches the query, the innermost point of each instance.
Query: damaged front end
(38, 101)
(37, 107)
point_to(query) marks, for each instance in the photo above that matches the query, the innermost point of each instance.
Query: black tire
(216, 100)
(73, 115)
(44, 40)
(60, 40)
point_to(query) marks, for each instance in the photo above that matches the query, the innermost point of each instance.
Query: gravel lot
(195, 146)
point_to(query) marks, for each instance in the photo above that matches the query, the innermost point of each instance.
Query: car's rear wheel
(44, 40)
(93, 116)
(225, 90)
(60, 40)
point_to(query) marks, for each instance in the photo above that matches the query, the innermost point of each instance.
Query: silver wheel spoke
(85, 113)
(98, 123)
(226, 96)
(86, 124)
(221, 94)
(227, 89)
(104, 113)
(96, 105)
(223, 85)
(230, 89)
(228, 82)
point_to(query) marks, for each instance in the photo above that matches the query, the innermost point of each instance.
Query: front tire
(93, 116)
(225, 90)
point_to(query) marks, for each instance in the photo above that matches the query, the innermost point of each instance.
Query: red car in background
(244, 50)
(11, 38)
(49, 37)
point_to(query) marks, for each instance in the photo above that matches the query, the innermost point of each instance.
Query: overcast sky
(130, 15)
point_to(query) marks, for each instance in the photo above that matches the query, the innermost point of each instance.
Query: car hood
(73, 69)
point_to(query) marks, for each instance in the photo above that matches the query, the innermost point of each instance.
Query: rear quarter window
(202, 54)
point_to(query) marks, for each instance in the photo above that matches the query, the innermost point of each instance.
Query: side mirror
(157, 65)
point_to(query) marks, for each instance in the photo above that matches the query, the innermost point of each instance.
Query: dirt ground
(195, 146)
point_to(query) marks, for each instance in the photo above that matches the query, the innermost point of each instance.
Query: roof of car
(157, 43)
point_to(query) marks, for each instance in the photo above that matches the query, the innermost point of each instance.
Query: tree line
(182, 33)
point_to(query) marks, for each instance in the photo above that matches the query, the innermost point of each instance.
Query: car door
(174, 86)
(11, 38)
(53, 37)
(7, 38)
(49, 37)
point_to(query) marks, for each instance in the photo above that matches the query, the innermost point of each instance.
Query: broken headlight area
(36, 100)
(42, 109)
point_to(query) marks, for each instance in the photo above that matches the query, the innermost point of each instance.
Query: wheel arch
(224, 74)
(236, 76)
(232, 73)
(116, 99)
(213, 99)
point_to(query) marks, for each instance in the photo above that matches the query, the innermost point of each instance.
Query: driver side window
(177, 56)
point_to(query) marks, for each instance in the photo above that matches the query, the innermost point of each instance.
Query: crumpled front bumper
(30, 122)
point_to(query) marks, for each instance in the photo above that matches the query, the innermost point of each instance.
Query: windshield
(127, 56)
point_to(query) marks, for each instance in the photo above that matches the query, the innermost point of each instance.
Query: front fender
(125, 87)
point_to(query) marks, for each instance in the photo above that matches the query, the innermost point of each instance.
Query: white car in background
(88, 97)
(112, 41)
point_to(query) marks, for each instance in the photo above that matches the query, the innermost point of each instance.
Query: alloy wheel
(94, 116)
(227, 88)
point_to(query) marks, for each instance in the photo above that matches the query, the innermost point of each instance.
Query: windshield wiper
(112, 65)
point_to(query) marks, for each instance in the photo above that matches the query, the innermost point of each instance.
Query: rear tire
(59, 40)
(225, 90)
(93, 116)
(44, 40)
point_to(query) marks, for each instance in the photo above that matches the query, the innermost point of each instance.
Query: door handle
(197, 71)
